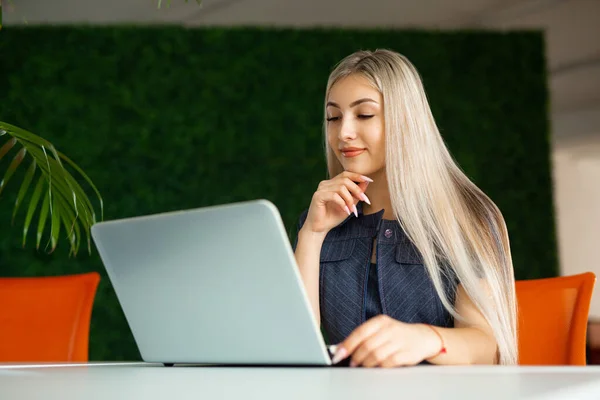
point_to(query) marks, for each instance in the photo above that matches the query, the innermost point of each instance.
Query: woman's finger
(334, 197)
(380, 354)
(398, 359)
(350, 201)
(369, 351)
(356, 190)
(355, 177)
(359, 335)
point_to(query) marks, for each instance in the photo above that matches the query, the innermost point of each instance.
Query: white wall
(577, 200)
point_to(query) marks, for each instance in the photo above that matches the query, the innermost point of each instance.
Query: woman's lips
(352, 152)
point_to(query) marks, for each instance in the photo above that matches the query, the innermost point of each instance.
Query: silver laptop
(214, 285)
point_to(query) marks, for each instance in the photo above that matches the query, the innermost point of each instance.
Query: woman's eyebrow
(354, 103)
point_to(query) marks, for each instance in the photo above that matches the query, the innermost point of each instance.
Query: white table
(151, 381)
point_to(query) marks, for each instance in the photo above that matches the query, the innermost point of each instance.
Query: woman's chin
(355, 170)
(362, 170)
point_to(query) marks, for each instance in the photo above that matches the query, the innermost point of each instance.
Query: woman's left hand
(385, 342)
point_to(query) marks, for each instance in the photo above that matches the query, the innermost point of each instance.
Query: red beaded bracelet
(443, 349)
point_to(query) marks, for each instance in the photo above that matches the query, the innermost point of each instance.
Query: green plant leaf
(71, 226)
(20, 133)
(12, 168)
(50, 202)
(68, 187)
(42, 220)
(54, 223)
(50, 167)
(88, 212)
(69, 221)
(34, 143)
(7, 146)
(81, 204)
(65, 202)
(88, 180)
(35, 197)
(24, 188)
(57, 157)
(65, 182)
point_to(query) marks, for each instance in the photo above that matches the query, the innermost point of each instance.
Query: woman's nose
(348, 130)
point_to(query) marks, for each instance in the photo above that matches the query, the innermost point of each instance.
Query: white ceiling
(572, 30)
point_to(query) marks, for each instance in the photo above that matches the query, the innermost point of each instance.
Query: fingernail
(365, 198)
(366, 178)
(347, 209)
(339, 355)
(355, 210)
(352, 364)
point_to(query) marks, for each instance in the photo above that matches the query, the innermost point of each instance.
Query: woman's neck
(379, 194)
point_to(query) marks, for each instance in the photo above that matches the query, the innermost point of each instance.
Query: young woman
(404, 259)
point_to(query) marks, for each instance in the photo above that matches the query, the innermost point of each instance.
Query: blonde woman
(405, 261)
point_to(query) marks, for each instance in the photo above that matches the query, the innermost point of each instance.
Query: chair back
(46, 319)
(553, 318)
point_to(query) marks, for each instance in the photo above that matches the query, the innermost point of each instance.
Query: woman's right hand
(334, 200)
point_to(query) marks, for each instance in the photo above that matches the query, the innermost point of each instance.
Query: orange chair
(46, 318)
(553, 318)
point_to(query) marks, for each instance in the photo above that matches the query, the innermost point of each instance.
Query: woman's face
(355, 125)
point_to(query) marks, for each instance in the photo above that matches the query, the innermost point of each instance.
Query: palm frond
(60, 197)
(24, 188)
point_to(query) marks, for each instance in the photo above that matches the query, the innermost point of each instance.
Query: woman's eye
(332, 119)
(364, 116)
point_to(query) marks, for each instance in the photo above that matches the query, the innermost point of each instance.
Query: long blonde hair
(455, 226)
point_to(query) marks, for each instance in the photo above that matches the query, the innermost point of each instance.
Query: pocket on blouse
(337, 250)
(407, 253)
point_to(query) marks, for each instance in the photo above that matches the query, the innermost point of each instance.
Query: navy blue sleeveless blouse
(373, 304)
(352, 289)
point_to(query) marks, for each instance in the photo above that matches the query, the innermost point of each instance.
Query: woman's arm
(385, 342)
(308, 250)
(470, 341)
(330, 205)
